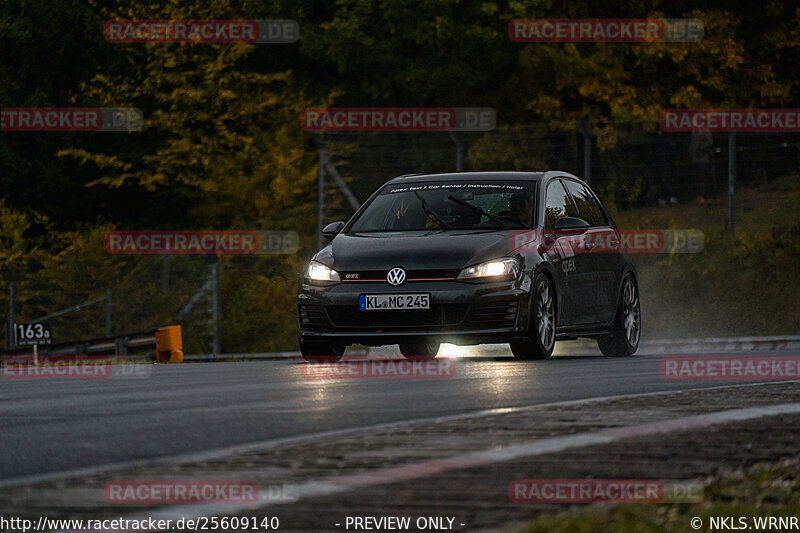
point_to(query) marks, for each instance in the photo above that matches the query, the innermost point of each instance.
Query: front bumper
(460, 313)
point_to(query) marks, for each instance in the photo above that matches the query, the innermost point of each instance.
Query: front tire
(623, 340)
(321, 351)
(419, 350)
(541, 338)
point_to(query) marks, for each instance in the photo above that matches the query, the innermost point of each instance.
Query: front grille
(411, 275)
(350, 316)
(311, 315)
(499, 314)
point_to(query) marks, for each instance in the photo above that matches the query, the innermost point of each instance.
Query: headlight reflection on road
(451, 350)
(497, 378)
(320, 393)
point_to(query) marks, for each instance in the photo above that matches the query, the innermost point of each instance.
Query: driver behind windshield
(521, 207)
(433, 206)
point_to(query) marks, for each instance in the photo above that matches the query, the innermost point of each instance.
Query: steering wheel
(512, 218)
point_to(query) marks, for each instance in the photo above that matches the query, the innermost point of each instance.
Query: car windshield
(449, 206)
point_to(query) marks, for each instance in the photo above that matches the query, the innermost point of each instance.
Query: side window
(588, 207)
(557, 204)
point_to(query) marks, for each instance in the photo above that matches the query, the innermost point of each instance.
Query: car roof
(475, 176)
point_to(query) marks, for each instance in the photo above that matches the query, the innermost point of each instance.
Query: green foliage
(222, 144)
(229, 139)
(423, 53)
(618, 189)
(733, 287)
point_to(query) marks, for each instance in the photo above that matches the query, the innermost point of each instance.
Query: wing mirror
(571, 226)
(332, 230)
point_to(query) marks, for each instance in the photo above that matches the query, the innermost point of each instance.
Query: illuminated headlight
(321, 273)
(491, 270)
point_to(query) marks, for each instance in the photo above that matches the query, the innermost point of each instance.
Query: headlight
(491, 270)
(321, 273)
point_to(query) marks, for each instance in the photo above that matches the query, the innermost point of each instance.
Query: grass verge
(743, 283)
(766, 490)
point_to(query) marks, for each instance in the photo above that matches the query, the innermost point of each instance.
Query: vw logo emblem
(396, 276)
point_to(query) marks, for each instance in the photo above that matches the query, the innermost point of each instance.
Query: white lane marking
(219, 453)
(333, 485)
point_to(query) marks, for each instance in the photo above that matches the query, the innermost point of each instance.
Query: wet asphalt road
(50, 426)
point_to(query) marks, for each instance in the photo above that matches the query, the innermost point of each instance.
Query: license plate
(381, 302)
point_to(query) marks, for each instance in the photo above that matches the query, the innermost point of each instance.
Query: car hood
(418, 251)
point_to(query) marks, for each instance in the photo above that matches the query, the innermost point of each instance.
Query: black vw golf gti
(471, 258)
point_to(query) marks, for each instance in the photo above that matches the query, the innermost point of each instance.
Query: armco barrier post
(169, 346)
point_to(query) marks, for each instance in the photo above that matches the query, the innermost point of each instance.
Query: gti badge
(396, 276)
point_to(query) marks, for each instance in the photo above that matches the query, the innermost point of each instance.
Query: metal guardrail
(723, 344)
(671, 346)
(141, 344)
(131, 344)
(207, 357)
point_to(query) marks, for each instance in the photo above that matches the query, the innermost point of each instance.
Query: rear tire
(419, 350)
(623, 340)
(541, 337)
(317, 351)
